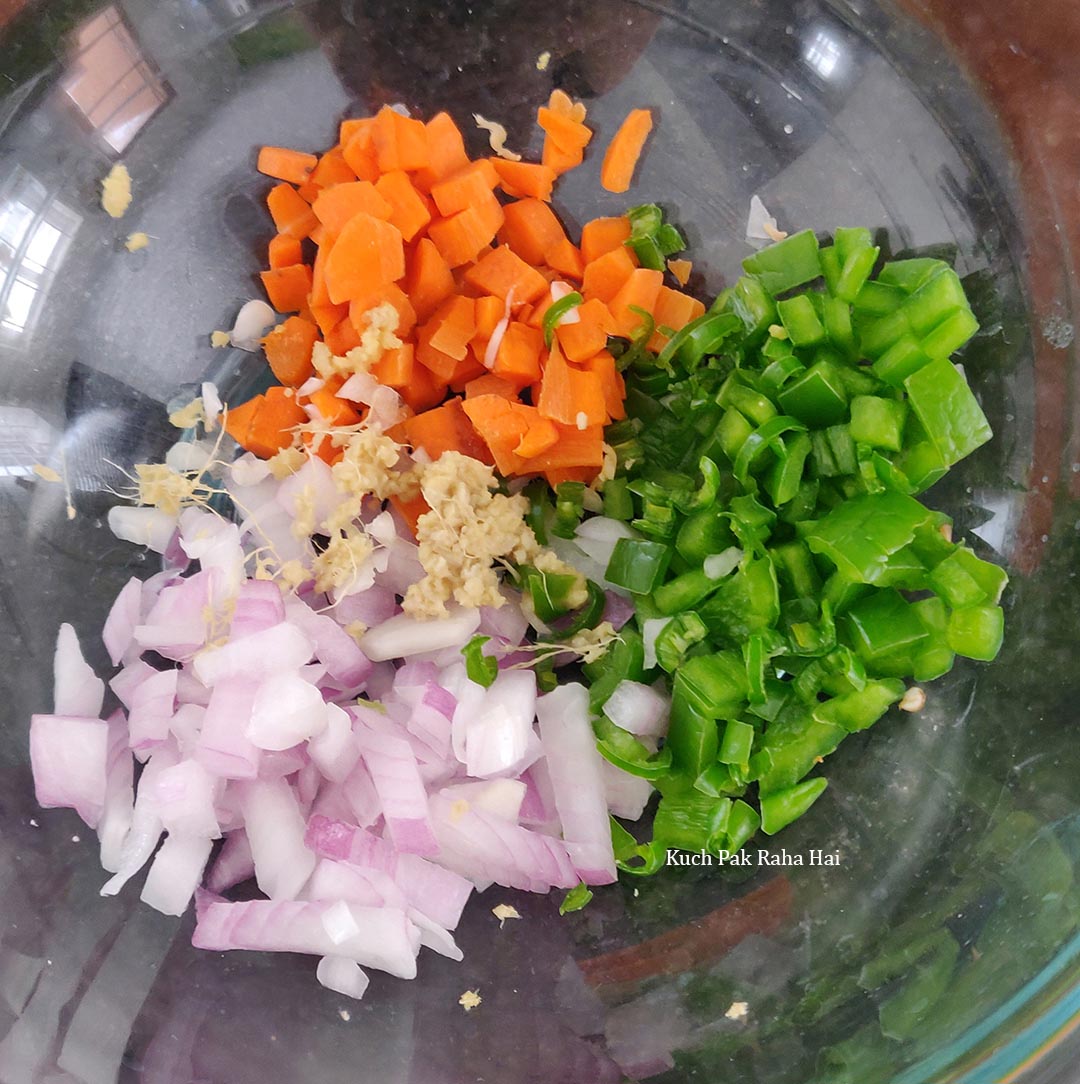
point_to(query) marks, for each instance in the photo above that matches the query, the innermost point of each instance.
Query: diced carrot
(464, 188)
(400, 142)
(531, 230)
(334, 411)
(588, 336)
(291, 215)
(322, 447)
(675, 310)
(319, 296)
(503, 270)
(625, 149)
(502, 424)
(308, 191)
(287, 287)
(351, 126)
(368, 254)
(557, 475)
(680, 270)
(574, 448)
(489, 311)
(560, 102)
(392, 294)
(539, 437)
(335, 206)
(264, 424)
(455, 325)
(640, 291)
(424, 389)
(602, 235)
(429, 281)
(446, 152)
(343, 337)
(564, 140)
(284, 251)
(359, 151)
(570, 396)
(410, 509)
(518, 356)
(611, 383)
(288, 350)
(604, 277)
(565, 258)
(286, 165)
(564, 131)
(524, 179)
(395, 367)
(332, 169)
(461, 237)
(465, 371)
(409, 210)
(328, 316)
(490, 384)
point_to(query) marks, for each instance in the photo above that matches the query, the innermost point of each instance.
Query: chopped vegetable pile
(520, 535)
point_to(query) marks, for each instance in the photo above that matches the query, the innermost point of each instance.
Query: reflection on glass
(35, 232)
(25, 439)
(824, 53)
(110, 81)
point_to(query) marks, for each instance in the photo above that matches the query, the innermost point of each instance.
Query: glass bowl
(945, 126)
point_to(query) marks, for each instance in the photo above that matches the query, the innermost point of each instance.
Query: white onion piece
(127, 680)
(119, 626)
(286, 711)
(313, 484)
(252, 322)
(574, 763)
(248, 470)
(397, 780)
(77, 690)
(626, 795)
(185, 795)
(402, 635)
(342, 976)
(149, 527)
(175, 873)
(212, 404)
(387, 939)
(559, 290)
(718, 565)
(339, 922)
(255, 657)
(69, 757)
(234, 863)
(334, 752)
(341, 881)
(649, 632)
(119, 794)
(146, 827)
(434, 937)
(638, 709)
(499, 736)
(492, 350)
(152, 707)
(757, 220)
(502, 797)
(223, 747)
(275, 830)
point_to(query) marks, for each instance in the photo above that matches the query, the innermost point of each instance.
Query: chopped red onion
(626, 795)
(403, 636)
(342, 976)
(116, 814)
(499, 735)
(638, 709)
(275, 829)
(69, 757)
(255, 657)
(286, 711)
(77, 690)
(234, 863)
(119, 627)
(152, 705)
(223, 746)
(175, 873)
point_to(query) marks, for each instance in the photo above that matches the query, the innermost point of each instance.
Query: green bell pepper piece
(742, 825)
(618, 504)
(883, 629)
(787, 264)
(950, 415)
(801, 321)
(780, 808)
(623, 661)
(900, 360)
(860, 708)
(638, 565)
(692, 738)
(817, 397)
(855, 273)
(909, 275)
(737, 742)
(702, 534)
(751, 303)
(860, 535)
(976, 632)
(794, 744)
(878, 422)
(677, 637)
(692, 821)
(786, 474)
(938, 297)
(962, 579)
(624, 751)
(779, 371)
(746, 602)
(684, 592)
(713, 685)
(877, 299)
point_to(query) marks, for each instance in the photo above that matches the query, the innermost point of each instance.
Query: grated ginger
(286, 462)
(189, 416)
(136, 241)
(162, 487)
(303, 518)
(341, 561)
(219, 339)
(378, 337)
(369, 466)
(592, 644)
(116, 191)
